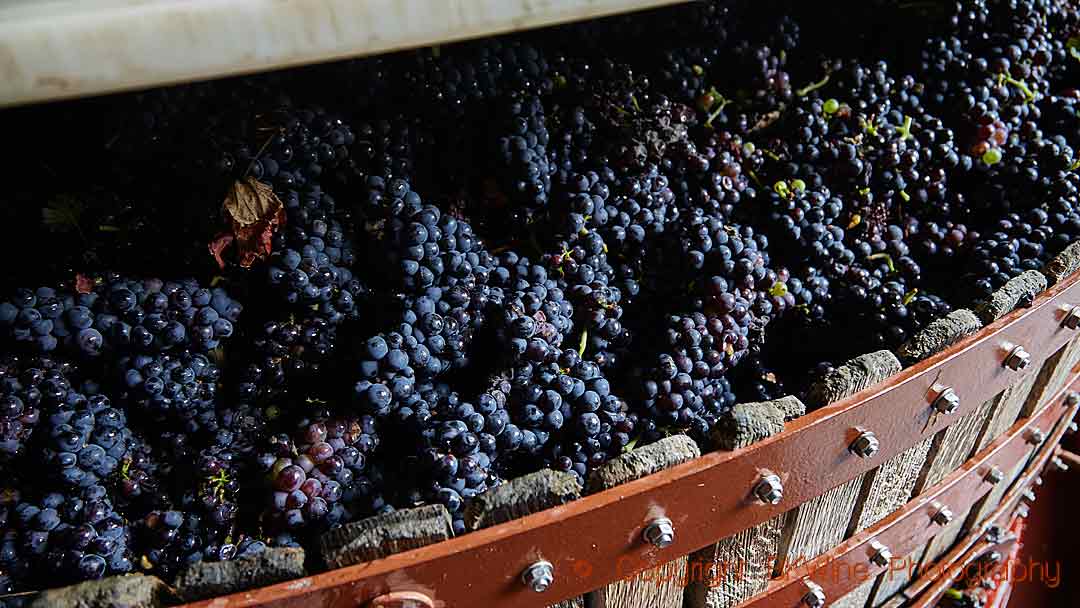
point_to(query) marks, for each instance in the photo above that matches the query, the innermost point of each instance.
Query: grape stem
(813, 86)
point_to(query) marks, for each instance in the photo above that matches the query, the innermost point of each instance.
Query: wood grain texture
(816, 526)
(896, 578)
(888, 487)
(990, 502)
(664, 585)
(734, 569)
(575, 602)
(857, 598)
(944, 540)
(953, 446)
(1007, 410)
(660, 587)
(1053, 375)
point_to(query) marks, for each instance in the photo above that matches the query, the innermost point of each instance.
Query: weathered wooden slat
(896, 578)
(519, 497)
(888, 487)
(662, 586)
(938, 335)
(1017, 292)
(954, 445)
(1054, 374)
(203, 580)
(130, 591)
(816, 526)
(820, 524)
(896, 601)
(659, 587)
(856, 598)
(1063, 264)
(747, 423)
(1007, 410)
(990, 502)
(383, 535)
(944, 540)
(736, 568)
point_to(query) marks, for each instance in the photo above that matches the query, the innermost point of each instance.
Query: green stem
(813, 86)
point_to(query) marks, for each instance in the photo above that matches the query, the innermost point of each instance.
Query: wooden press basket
(937, 483)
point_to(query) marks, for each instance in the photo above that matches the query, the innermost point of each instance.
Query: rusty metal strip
(848, 566)
(707, 499)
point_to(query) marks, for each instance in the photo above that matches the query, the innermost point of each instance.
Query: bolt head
(1029, 495)
(539, 576)
(1059, 464)
(660, 533)
(1072, 428)
(1072, 398)
(1018, 359)
(880, 554)
(994, 476)
(815, 595)
(1072, 319)
(865, 445)
(947, 401)
(769, 489)
(1035, 436)
(942, 515)
(1023, 511)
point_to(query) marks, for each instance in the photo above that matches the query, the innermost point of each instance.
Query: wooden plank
(736, 568)
(953, 446)
(1054, 374)
(660, 587)
(68, 48)
(1007, 410)
(816, 526)
(990, 502)
(944, 540)
(888, 487)
(896, 578)
(663, 585)
(856, 598)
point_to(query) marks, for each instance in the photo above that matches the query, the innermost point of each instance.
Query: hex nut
(659, 533)
(1035, 436)
(539, 576)
(942, 515)
(769, 489)
(865, 445)
(880, 556)
(1059, 464)
(1072, 428)
(815, 595)
(947, 401)
(1029, 495)
(1072, 398)
(994, 476)
(1072, 318)
(1017, 359)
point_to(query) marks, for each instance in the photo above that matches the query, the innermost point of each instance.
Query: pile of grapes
(237, 314)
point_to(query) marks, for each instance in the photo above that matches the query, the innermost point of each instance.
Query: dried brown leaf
(255, 213)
